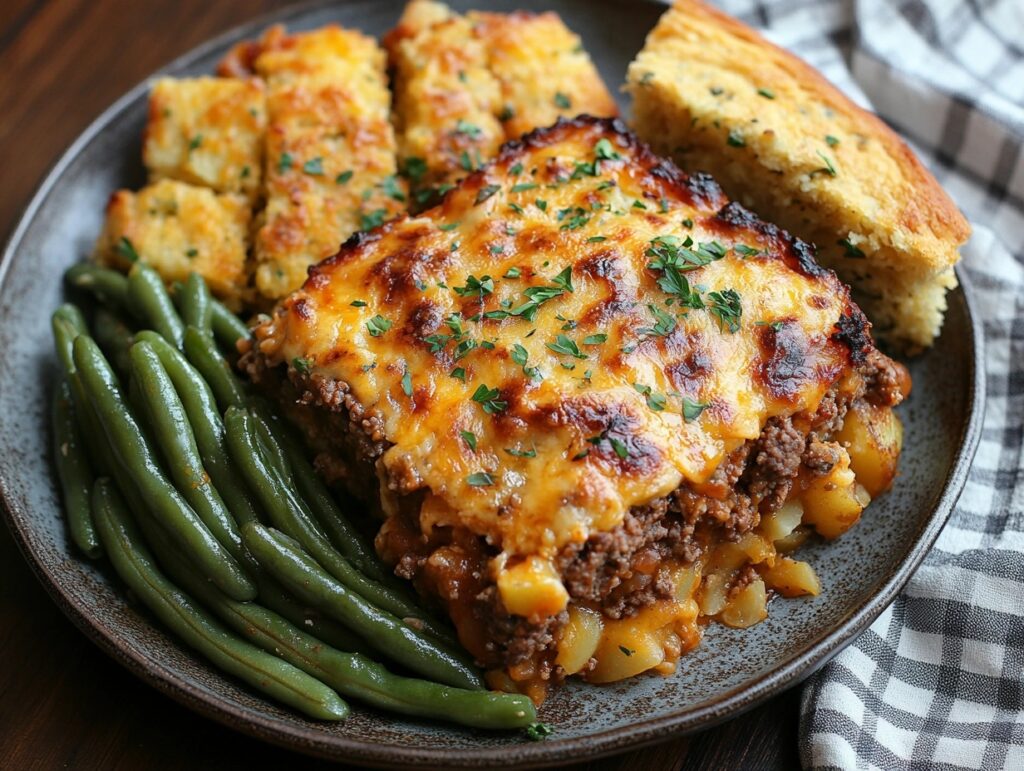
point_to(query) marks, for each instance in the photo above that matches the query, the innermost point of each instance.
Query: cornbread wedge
(781, 139)
(544, 72)
(465, 84)
(590, 395)
(178, 228)
(207, 131)
(447, 101)
(330, 165)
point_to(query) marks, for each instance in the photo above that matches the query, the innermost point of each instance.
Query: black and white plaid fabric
(938, 680)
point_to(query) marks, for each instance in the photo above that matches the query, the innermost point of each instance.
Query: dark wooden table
(63, 703)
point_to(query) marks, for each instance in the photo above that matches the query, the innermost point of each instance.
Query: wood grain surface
(63, 703)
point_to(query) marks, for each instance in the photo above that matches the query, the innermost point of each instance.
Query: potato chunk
(873, 437)
(833, 503)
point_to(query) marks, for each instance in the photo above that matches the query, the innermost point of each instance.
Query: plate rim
(726, 705)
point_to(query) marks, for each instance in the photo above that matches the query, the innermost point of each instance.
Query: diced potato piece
(747, 607)
(686, 581)
(873, 437)
(207, 131)
(793, 541)
(532, 589)
(579, 640)
(731, 556)
(713, 591)
(781, 523)
(178, 228)
(833, 503)
(791, 578)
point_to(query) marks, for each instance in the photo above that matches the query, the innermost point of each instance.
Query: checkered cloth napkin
(938, 680)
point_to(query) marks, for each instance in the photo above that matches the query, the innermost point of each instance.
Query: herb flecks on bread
(781, 139)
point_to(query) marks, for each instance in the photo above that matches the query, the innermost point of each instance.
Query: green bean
(176, 441)
(301, 575)
(67, 324)
(178, 611)
(204, 356)
(227, 327)
(196, 303)
(289, 513)
(108, 285)
(149, 300)
(73, 471)
(355, 676)
(133, 451)
(340, 531)
(207, 425)
(114, 337)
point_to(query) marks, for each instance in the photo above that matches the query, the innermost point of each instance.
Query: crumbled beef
(883, 378)
(514, 639)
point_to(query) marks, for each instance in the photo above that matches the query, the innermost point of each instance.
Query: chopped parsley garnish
(828, 168)
(302, 366)
(507, 113)
(478, 286)
(725, 306)
(541, 204)
(531, 453)
(391, 188)
(564, 279)
(459, 373)
(851, 249)
(766, 93)
(195, 142)
(538, 295)
(314, 166)
(516, 169)
(626, 651)
(746, 251)
(496, 249)
(692, 409)
(776, 325)
(486, 192)
(655, 400)
(192, 253)
(512, 273)
(664, 323)
(284, 162)
(467, 129)
(374, 219)
(344, 177)
(595, 339)
(596, 239)
(638, 204)
(357, 304)
(378, 325)
(716, 90)
(480, 479)
(127, 249)
(573, 218)
(464, 348)
(465, 162)
(449, 226)
(524, 186)
(538, 732)
(687, 223)
(413, 168)
(469, 438)
(831, 141)
(735, 139)
(604, 150)
(407, 381)
(488, 399)
(619, 447)
(567, 346)
(562, 102)
(246, 171)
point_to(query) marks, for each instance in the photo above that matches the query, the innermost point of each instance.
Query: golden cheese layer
(330, 150)
(577, 329)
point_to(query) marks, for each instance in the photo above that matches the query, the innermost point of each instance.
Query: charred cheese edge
(330, 151)
(534, 427)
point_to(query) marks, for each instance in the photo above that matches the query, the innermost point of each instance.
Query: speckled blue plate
(732, 670)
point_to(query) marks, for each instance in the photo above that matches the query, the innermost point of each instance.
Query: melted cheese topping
(611, 394)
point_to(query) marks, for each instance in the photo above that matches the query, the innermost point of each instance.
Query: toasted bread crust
(716, 95)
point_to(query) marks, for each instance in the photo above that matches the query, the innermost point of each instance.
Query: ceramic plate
(730, 672)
